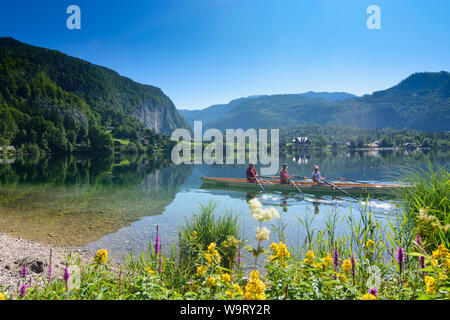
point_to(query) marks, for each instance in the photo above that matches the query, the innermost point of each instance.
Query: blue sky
(204, 52)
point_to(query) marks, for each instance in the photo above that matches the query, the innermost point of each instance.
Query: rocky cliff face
(159, 117)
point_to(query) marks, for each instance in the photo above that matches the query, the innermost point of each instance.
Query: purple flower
(374, 291)
(400, 257)
(50, 268)
(335, 258)
(24, 271)
(422, 262)
(66, 276)
(353, 261)
(157, 244)
(160, 264)
(419, 241)
(23, 290)
(50, 271)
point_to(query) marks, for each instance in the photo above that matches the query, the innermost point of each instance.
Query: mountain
(211, 113)
(420, 102)
(215, 112)
(45, 94)
(330, 96)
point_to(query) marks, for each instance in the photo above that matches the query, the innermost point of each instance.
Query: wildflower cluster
(254, 290)
(309, 257)
(212, 280)
(101, 256)
(212, 254)
(279, 253)
(261, 214)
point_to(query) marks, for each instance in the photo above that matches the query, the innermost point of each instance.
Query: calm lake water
(116, 203)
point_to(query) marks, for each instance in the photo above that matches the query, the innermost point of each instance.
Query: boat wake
(378, 205)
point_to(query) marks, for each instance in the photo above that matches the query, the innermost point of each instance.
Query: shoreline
(15, 251)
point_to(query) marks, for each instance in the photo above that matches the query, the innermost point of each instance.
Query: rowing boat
(306, 186)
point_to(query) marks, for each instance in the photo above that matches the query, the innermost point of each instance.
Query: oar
(260, 185)
(294, 185)
(333, 185)
(342, 179)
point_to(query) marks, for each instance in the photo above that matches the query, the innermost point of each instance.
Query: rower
(251, 173)
(316, 176)
(284, 175)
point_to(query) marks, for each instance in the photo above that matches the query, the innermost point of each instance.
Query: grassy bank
(405, 258)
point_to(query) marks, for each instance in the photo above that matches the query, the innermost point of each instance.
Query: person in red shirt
(251, 173)
(284, 175)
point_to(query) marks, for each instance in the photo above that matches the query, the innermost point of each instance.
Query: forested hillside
(420, 102)
(61, 104)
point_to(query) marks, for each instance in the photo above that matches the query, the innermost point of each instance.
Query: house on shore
(410, 146)
(302, 142)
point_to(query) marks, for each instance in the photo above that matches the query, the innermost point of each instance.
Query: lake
(116, 203)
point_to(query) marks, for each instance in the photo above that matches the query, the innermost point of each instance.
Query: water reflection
(115, 202)
(68, 200)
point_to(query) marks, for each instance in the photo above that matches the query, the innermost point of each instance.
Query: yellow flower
(2, 296)
(236, 290)
(347, 266)
(212, 253)
(225, 277)
(193, 287)
(318, 265)
(209, 258)
(370, 244)
(446, 265)
(102, 255)
(309, 257)
(328, 260)
(149, 270)
(432, 285)
(441, 253)
(212, 247)
(368, 296)
(194, 233)
(210, 282)
(254, 290)
(201, 271)
(434, 262)
(341, 277)
(280, 252)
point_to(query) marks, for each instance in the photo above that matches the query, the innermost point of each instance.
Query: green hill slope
(57, 101)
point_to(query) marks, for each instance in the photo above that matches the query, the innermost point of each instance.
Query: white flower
(262, 214)
(262, 234)
(275, 213)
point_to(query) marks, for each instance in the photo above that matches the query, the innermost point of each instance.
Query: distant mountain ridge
(212, 113)
(420, 102)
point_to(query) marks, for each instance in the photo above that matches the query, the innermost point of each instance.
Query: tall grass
(208, 228)
(426, 201)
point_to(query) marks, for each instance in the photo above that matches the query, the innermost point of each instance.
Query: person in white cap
(316, 176)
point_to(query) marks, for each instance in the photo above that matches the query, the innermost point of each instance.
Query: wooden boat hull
(305, 186)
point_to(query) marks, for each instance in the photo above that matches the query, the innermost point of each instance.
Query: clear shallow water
(116, 203)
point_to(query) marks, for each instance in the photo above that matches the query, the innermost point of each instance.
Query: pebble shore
(15, 252)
